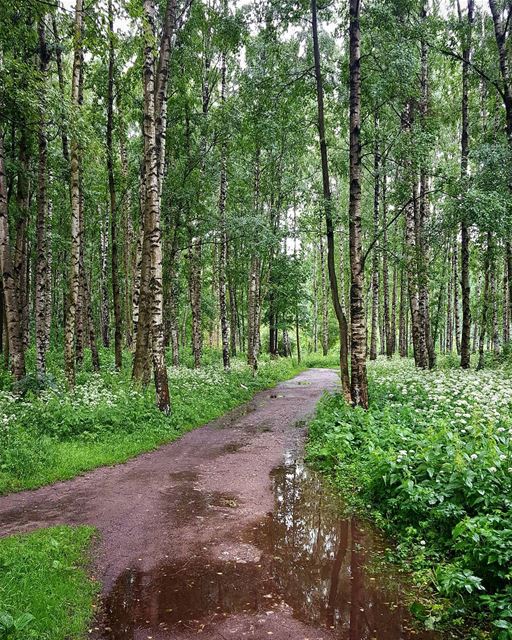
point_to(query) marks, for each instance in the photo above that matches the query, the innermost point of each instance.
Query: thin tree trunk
(74, 257)
(128, 246)
(449, 317)
(375, 256)
(342, 321)
(424, 208)
(116, 290)
(325, 308)
(233, 319)
(388, 340)
(465, 354)
(41, 292)
(105, 316)
(456, 315)
(402, 322)
(485, 304)
(315, 300)
(507, 294)
(10, 294)
(394, 296)
(21, 253)
(223, 253)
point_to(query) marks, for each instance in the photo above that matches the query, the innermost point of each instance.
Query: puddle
(326, 570)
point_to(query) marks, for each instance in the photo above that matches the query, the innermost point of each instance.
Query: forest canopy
(254, 177)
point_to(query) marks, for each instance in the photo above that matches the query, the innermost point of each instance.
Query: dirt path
(180, 511)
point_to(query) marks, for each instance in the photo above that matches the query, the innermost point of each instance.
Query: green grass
(45, 592)
(52, 435)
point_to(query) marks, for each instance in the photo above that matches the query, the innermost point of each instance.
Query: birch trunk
(151, 301)
(74, 254)
(116, 290)
(375, 256)
(359, 382)
(41, 282)
(223, 252)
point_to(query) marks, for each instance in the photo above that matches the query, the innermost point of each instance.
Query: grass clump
(45, 592)
(432, 459)
(48, 434)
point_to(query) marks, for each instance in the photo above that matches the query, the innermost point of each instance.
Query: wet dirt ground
(225, 533)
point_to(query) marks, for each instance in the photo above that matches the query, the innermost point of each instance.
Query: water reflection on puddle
(313, 563)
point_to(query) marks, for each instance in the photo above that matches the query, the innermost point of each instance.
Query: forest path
(194, 498)
(226, 533)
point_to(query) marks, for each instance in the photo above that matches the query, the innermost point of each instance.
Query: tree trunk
(21, 253)
(507, 292)
(233, 319)
(456, 317)
(465, 346)
(41, 292)
(315, 300)
(195, 259)
(388, 340)
(449, 317)
(151, 301)
(424, 208)
(223, 252)
(359, 382)
(116, 290)
(252, 313)
(105, 316)
(485, 304)
(128, 246)
(325, 308)
(342, 321)
(74, 256)
(10, 293)
(375, 255)
(402, 322)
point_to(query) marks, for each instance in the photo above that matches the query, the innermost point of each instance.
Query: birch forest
(200, 199)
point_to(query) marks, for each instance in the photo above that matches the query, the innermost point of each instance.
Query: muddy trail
(225, 533)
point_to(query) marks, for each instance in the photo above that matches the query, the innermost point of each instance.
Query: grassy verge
(432, 460)
(45, 592)
(49, 435)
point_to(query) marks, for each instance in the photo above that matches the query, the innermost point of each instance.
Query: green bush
(433, 458)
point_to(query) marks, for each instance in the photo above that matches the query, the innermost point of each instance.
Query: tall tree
(359, 382)
(328, 206)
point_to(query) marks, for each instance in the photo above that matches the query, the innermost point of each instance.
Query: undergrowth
(49, 434)
(432, 459)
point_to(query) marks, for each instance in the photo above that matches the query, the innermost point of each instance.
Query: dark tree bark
(21, 249)
(14, 348)
(340, 315)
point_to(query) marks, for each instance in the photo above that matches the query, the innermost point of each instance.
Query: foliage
(433, 458)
